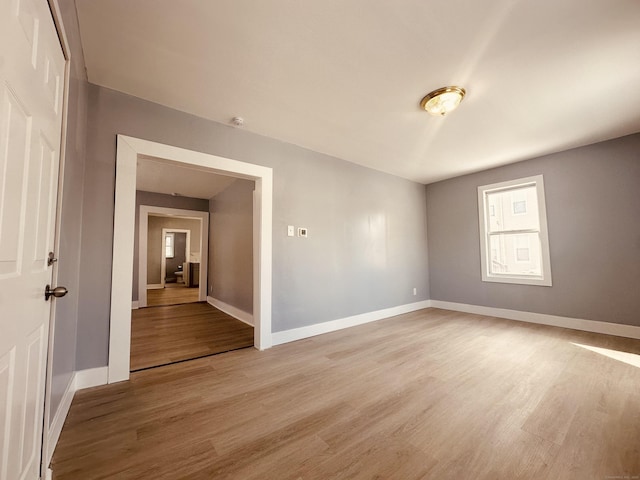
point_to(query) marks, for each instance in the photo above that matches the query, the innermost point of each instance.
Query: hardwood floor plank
(172, 295)
(426, 395)
(168, 334)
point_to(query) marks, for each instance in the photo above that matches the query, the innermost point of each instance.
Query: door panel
(16, 130)
(7, 366)
(41, 186)
(31, 409)
(27, 15)
(31, 81)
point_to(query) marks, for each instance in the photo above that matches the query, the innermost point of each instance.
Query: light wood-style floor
(168, 334)
(172, 294)
(427, 395)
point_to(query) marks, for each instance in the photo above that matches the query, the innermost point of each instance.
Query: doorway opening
(178, 272)
(129, 151)
(181, 278)
(176, 256)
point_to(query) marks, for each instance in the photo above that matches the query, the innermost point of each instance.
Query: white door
(31, 89)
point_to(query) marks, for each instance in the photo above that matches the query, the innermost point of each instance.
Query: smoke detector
(237, 122)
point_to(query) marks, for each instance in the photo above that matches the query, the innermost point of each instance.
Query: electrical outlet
(291, 231)
(302, 232)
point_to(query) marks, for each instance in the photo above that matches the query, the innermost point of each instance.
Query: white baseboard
(155, 286)
(59, 418)
(333, 325)
(616, 329)
(92, 377)
(241, 315)
(135, 305)
(79, 380)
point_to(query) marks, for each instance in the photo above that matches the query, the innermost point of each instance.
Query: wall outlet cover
(302, 231)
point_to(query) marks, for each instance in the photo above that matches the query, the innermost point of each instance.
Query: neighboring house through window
(513, 232)
(169, 245)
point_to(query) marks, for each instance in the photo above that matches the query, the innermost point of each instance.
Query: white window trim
(485, 253)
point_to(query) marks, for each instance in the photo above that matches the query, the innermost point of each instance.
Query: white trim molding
(135, 305)
(187, 254)
(235, 312)
(145, 212)
(81, 379)
(294, 334)
(128, 150)
(594, 326)
(59, 418)
(92, 377)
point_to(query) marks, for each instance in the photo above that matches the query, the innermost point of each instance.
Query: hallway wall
(231, 240)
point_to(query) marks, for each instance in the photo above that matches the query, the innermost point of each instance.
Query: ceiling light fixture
(443, 100)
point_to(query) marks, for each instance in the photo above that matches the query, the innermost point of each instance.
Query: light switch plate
(291, 231)
(302, 231)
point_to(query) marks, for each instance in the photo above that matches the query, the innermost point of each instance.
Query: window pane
(169, 245)
(514, 209)
(515, 254)
(522, 254)
(519, 207)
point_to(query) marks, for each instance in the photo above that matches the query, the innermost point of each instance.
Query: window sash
(486, 234)
(169, 245)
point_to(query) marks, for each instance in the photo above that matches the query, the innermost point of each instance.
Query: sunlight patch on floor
(629, 358)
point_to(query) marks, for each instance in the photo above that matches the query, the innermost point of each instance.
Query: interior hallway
(168, 334)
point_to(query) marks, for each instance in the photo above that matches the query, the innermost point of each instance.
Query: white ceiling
(345, 77)
(164, 176)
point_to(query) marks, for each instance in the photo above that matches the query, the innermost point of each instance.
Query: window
(513, 232)
(169, 245)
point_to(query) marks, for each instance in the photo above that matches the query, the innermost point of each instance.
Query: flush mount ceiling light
(443, 100)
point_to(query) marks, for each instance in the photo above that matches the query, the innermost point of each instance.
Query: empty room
(422, 217)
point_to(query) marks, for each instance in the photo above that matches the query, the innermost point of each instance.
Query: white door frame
(128, 150)
(49, 436)
(163, 259)
(143, 227)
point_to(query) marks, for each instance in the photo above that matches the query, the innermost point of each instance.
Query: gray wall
(367, 248)
(66, 309)
(154, 243)
(593, 212)
(159, 200)
(231, 245)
